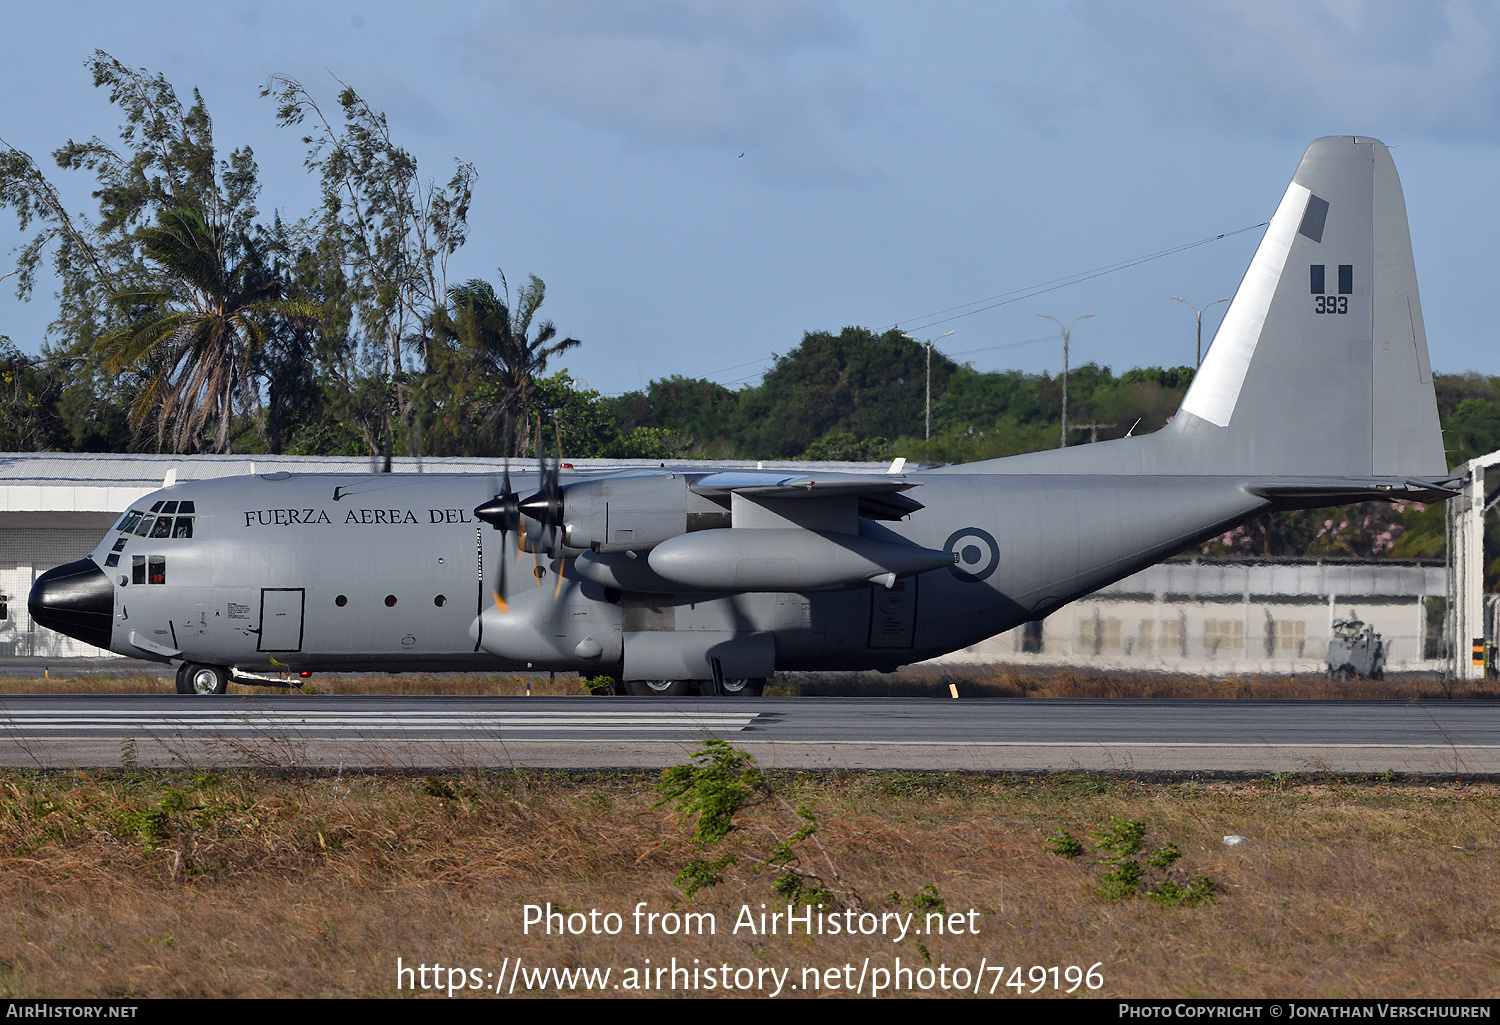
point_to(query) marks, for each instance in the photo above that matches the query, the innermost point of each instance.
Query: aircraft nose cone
(76, 599)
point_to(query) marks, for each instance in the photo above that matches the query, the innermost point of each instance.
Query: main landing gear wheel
(744, 687)
(193, 678)
(663, 688)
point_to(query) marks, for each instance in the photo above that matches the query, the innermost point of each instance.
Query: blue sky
(898, 159)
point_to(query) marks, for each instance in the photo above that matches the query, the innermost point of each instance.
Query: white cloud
(1310, 66)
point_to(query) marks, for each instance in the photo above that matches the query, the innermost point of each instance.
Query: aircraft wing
(1313, 492)
(880, 496)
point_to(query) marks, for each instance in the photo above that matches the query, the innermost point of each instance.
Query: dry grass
(478, 684)
(1062, 682)
(919, 681)
(253, 885)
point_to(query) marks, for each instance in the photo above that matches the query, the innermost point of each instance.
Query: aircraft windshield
(159, 521)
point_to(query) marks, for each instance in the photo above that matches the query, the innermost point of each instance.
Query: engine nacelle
(553, 630)
(634, 512)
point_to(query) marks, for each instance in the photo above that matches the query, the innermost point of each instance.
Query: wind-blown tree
(112, 283)
(395, 232)
(196, 330)
(491, 359)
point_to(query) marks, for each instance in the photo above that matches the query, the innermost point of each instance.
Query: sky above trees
(701, 183)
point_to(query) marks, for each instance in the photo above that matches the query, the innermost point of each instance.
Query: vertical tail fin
(1320, 366)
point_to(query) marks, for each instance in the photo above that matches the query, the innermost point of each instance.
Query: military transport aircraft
(1317, 391)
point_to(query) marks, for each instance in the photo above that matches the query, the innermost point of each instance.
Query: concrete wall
(1230, 617)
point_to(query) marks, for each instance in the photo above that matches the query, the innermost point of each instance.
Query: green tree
(697, 412)
(197, 329)
(870, 385)
(394, 233)
(491, 360)
(28, 402)
(175, 231)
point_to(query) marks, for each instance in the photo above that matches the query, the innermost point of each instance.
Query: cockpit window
(165, 525)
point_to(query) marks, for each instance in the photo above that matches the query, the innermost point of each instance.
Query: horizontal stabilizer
(1312, 493)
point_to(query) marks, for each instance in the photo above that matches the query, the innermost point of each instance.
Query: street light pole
(1067, 332)
(928, 344)
(1200, 322)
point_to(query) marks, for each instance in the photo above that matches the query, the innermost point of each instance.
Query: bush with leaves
(1129, 869)
(718, 783)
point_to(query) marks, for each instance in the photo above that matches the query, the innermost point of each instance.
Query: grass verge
(256, 884)
(916, 681)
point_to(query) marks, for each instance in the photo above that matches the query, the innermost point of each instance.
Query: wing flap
(880, 497)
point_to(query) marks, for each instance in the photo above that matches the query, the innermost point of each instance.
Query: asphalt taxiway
(1447, 737)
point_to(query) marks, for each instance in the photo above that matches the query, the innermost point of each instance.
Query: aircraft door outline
(281, 618)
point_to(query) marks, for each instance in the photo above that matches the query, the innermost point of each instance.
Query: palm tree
(194, 333)
(493, 339)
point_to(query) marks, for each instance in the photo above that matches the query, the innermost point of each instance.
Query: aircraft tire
(195, 678)
(661, 688)
(743, 687)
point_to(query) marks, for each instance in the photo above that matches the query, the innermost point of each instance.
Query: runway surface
(1447, 737)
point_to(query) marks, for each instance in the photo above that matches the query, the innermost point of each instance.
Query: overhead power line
(1016, 295)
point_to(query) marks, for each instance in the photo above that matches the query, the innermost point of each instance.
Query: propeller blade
(500, 584)
(503, 513)
(546, 507)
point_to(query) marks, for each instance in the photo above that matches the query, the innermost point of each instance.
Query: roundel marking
(976, 555)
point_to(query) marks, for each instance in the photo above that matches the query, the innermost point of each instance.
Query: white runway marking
(212, 719)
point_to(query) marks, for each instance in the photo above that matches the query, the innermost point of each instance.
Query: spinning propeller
(508, 513)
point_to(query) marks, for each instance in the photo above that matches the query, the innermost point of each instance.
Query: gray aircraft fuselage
(392, 574)
(1316, 391)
